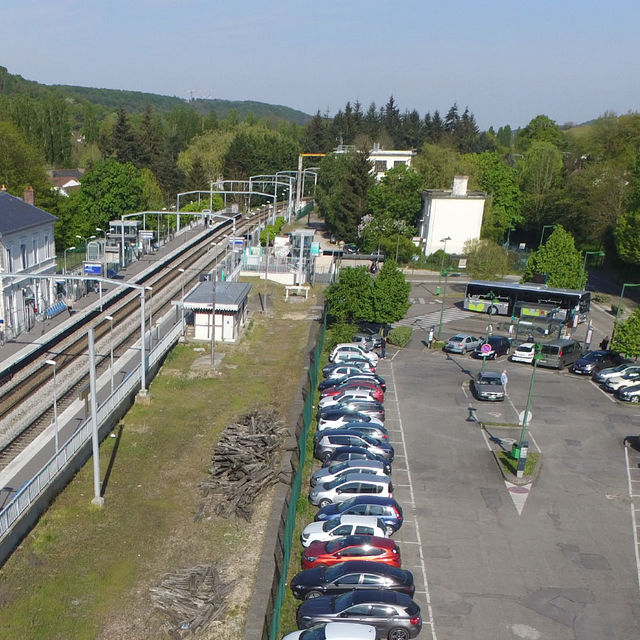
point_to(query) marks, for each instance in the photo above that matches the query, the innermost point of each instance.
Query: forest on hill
(138, 153)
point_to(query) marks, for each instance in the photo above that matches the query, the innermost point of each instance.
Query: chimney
(28, 195)
(460, 186)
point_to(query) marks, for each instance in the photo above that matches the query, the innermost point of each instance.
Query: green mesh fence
(287, 541)
(305, 210)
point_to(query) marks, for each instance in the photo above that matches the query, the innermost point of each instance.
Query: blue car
(387, 509)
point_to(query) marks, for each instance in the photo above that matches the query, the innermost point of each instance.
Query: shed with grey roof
(231, 309)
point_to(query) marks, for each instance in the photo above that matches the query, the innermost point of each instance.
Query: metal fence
(31, 490)
(305, 210)
(290, 522)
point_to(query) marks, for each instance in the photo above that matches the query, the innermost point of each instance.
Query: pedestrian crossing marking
(426, 320)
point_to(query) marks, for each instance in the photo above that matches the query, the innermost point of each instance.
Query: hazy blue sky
(508, 60)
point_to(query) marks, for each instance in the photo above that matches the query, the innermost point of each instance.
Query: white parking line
(633, 516)
(423, 569)
(606, 395)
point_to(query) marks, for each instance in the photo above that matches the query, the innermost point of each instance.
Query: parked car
(337, 469)
(352, 349)
(387, 509)
(462, 342)
(373, 339)
(372, 548)
(342, 454)
(334, 438)
(359, 385)
(359, 363)
(559, 354)
(334, 371)
(333, 419)
(353, 377)
(372, 408)
(334, 631)
(361, 575)
(487, 385)
(629, 394)
(347, 395)
(394, 615)
(500, 346)
(629, 378)
(368, 428)
(611, 372)
(524, 352)
(350, 248)
(353, 484)
(347, 525)
(592, 361)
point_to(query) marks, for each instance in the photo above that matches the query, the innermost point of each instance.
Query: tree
(351, 298)
(559, 260)
(436, 166)
(486, 260)
(317, 138)
(196, 177)
(626, 338)
(123, 139)
(398, 196)
(20, 164)
(540, 129)
(390, 294)
(627, 237)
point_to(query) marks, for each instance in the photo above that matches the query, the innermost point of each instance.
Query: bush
(617, 309)
(337, 333)
(400, 336)
(601, 298)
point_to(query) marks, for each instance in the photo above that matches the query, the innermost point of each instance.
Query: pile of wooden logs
(245, 462)
(191, 599)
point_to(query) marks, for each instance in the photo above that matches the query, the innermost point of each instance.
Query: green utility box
(438, 290)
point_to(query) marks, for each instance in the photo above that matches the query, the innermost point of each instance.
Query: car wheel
(398, 633)
(635, 398)
(326, 456)
(313, 594)
(324, 503)
(389, 530)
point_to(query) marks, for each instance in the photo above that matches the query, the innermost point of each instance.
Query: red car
(372, 548)
(375, 391)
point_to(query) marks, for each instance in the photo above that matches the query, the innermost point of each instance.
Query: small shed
(231, 309)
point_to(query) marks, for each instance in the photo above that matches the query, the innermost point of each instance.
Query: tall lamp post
(150, 290)
(508, 235)
(444, 253)
(444, 299)
(584, 264)
(615, 322)
(546, 226)
(490, 325)
(110, 319)
(181, 271)
(65, 258)
(522, 444)
(214, 281)
(52, 363)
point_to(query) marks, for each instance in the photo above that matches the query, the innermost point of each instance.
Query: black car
(353, 574)
(394, 615)
(500, 346)
(355, 377)
(370, 428)
(592, 361)
(371, 408)
(342, 454)
(387, 509)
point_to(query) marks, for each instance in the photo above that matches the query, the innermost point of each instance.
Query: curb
(530, 479)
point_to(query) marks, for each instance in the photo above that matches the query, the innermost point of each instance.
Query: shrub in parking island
(400, 336)
(626, 338)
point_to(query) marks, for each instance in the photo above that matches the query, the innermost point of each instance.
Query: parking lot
(558, 560)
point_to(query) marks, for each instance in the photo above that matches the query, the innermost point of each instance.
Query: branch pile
(191, 599)
(244, 463)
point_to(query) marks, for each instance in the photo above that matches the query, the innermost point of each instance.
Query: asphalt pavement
(557, 559)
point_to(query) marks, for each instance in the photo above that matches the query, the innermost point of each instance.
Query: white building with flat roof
(454, 214)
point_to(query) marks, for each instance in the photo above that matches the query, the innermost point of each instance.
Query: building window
(9, 262)
(398, 163)
(35, 250)
(46, 247)
(380, 166)
(23, 256)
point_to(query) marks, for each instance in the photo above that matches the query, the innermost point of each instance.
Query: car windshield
(334, 571)
(336, 545)
(347, 504)
(343, 601)
(336, 468)
(456, 339)
(621, 367)
(334, 483)
(591, 356)
(330, 524)
(526, 348)
(315, 633)
(490, 380)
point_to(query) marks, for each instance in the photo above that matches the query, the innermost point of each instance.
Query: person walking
(384, 348)
(504, 379)
(430, 339)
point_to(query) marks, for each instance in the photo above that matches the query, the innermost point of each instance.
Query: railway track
(20, 403)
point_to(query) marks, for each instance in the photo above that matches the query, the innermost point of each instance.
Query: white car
(351, 349)
(524, 353)
(629, 378)
(346, 396)
(337, 469)
(335, 631)
(346, 525)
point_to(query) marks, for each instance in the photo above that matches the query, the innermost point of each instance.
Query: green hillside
(136, 101)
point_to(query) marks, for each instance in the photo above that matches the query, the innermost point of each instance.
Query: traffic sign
(485, 348)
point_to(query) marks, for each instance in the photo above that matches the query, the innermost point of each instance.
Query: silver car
(462, 342)
(353, 484)
(487, 385)
(338, 469)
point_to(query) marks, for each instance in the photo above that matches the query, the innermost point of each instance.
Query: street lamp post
(489, 326)
(444, 299)
(110, 319)
(525, 417)
(584, 264)
(150, 290)
(546, 226)
(509, 234)
(65, 258)
(444, 253)
(214, 280)
(181, 271)
(52, 363)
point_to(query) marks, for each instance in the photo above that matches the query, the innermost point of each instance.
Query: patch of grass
(84, 572)
(511, 466)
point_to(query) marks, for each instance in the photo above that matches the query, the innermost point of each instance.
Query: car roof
(377, 541)
(526, 344)
(353, 631)
(363, 463)
(368, 566)
(495, 338)
(364, 477)
(490, 374)
(358, 520)
(380, 595)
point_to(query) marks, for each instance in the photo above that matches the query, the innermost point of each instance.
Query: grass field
(84, 572)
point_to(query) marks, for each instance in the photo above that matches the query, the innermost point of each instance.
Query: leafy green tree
(559, 260)
(627, 237)
(351, 297)
(398, 195)
(390, 299)
(211, 148)
(151, 191)
(197, 178)
(436, 166)
(90, 125)
(123, 139)
(626, 338)
(540, 129)
(20, 163)
(486, 260)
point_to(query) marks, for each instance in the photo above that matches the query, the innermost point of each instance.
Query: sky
(507, 60)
